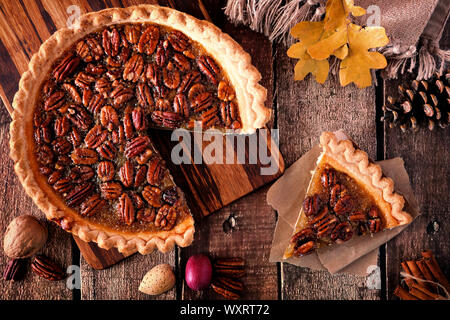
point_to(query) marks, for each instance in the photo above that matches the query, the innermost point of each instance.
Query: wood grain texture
(304, 110)
(426, 155)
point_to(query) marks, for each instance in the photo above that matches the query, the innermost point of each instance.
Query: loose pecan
(73, 93)
(80, 174)
(139, 119)
(166, 217)
(133, 68)
(180, 105)
(84, 156)
(342, 232)
(328, 178)
(209, 68)
(146, 214)
(106, 171)
(79, 194)
(126, 209)
(47, 268)
(55, 101)
(66, 66)
(111, 42)
(148, 40)
(92, 205)
(225, 92)
(61, 146)
(171, 76)
(152, 195)
(229, 288)
(144, 96)
(111, 190)
(304, 242)
(188, 80)
(107, 150)
(229, 267)
(178, 41)
(121, 94)
(210, 117)
(15, 270)
(61, 126)
(95, 137)
(126, 174)
(109, 117)
(156, 171)
(79, 117)
(136, 146)
(312, 205)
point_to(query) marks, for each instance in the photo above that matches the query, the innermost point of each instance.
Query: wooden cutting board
(208, 187)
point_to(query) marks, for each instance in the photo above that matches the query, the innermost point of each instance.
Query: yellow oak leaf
(357, 64)
(337, 11)
(342, 52)
(329, 43)
(308, 33)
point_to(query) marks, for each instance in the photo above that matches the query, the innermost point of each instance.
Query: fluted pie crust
(233, 59)
(343, 156)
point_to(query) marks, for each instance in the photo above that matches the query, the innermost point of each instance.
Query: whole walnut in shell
(24, 237)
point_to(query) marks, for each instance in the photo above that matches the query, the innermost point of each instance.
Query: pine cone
(424, 103)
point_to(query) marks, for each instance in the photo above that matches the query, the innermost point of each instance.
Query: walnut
(24, 237)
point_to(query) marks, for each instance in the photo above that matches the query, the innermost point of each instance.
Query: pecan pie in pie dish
(348, 196)
(79, 135)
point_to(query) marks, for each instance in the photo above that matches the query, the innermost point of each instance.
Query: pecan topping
(44, 155)
(55, 101)
(228, 113)
(133, 68)
(189, 79)
(106, 171)
(136, 146)
(171, 76)
(148, 40)
(141, 175)
(80, 174)
(180, 105)
(79, 117)
(109, 117)
(162, 54)
(304, 242)
(84, 156)
(79, 194)
(144, 96)
(62, 126)
(342, 232)
(166, 217)
(210, 117)
(312, 205)
(166, 119)
(75, 137)
(181, 62)
(111, 190)
(103, 87)
(92, 205)
(63, 185)
(54, 176)
(374, 223)
(225, 92)
(84, 80)
(107, 150)
(146, 214)
(139, 120)
(126, 209)
(178, 41)
(152, 195)
(111, 42)
(47, 269)
(65, 68)
(73, 93)
(171, 196)
(209, 68)
(328, 178)
(344, 205)
(357, 216)
(121, 94)
(126, 174)
(132, 33)
(202, 101)
(337, 192)
(156, 171)
(95, 137)
(128, 125)
(324, 222)
(61, 145)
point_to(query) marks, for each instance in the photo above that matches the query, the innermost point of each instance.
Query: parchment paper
(354, 256)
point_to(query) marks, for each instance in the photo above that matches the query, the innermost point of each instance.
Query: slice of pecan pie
(79, 135)
(347, 196)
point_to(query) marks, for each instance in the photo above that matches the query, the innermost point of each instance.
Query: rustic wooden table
(302, 110)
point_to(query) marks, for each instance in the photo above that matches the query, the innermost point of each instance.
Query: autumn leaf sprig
(336, 35)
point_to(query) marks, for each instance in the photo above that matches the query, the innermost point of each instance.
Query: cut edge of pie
(249, 93)
(345, 157)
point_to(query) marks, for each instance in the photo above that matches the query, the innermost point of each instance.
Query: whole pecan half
(144, 96)
(357, 216)
(92, 205)
(166, 217)
(171, 76)
(106, 171)
(80, 174)
(47, 268)
(44, 155)
(15, 270)
(337, 191)
(209, 68)
(178, 41)
(156, 171)
(225, 92)
(152, 195)
(188, 80)
(63, 185)
(109, 118)
(342, 232)
(344, 205)
(133, 68)
(180, 105)
(126, 174)
(139, 119)
(141, 176)
(171, 195)
(132, 33)
(111, 42)
(328, 178)
(136, 146)
(126, 209)
(107, 150)
(210, 117)
(312, 205)
(229, 288)
(148, 40)
(166, 119)
(162, 54)
(111, 190)
(95, 137)
(61, 126)
(121, 94)
(229, 267)
(66, 66)
(228, 113)
(181, 62)
(84, 80)
(55, 101)
(304, 242)
(79, 194)
(374, 223)
(79, 117)
(73, 93)
(324, 222)
(146, 214)
(84, 156)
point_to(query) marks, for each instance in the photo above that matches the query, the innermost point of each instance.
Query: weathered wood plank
(426, 155)
(305, 109)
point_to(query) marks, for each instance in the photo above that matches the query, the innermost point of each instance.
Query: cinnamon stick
(409, 281)
(403, 294)
(430, 294)
(432, 264)
(427, 274)
(417, 273)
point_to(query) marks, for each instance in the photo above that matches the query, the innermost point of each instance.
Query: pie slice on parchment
(348, 195)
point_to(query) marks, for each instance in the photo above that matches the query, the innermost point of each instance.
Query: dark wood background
(302, 110)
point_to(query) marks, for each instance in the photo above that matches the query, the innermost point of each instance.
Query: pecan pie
(347, 196)
(79, 135)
